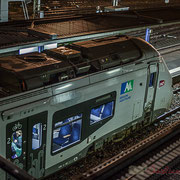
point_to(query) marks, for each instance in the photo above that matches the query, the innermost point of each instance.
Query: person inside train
(16, 144)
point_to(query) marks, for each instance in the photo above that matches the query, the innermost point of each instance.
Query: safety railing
(9, 169)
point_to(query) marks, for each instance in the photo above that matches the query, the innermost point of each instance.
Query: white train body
(58, 123)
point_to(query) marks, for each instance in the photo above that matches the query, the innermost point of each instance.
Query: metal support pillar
(36, 8)
(115, 2)
(3, 10)
(39, 5)
(25, 10)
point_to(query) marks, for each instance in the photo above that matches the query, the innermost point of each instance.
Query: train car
(58, 105)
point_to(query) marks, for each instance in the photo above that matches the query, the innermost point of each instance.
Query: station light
(28, 50)
(37, 48)
(50, 46)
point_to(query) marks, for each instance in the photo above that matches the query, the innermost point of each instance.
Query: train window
(67, 132)
(16, 144)
(36, 136)
(101, 112)
(152, 79)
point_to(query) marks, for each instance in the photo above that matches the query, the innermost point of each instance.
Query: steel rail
(123, 159)
(176, 91)
(157, 165)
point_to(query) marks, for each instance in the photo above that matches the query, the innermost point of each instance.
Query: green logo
(127, 86)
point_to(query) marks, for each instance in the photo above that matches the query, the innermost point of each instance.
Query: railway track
(120, 161)
(112, 168)
(165, 39)
(157, 165)
(59, 8)
(69, 11)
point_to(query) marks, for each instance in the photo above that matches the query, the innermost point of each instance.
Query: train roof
(115, 45)
(30, 71)
(30, 63)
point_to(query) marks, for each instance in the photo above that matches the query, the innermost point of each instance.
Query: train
(59, 104)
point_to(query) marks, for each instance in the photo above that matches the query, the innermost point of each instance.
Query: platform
(19, 35)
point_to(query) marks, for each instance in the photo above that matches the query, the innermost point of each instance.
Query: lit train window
(152, 79)
(101, 112)
(67, 132)
(36, 136)
(16, 144)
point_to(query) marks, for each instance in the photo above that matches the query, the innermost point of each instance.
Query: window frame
(83, 108)
(100, 100)
(109, 117)
(153, 79)
(15, 143)
(62, 118)
(40, 135)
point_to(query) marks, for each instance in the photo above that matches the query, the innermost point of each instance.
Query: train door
(26, 141)
(151, 87)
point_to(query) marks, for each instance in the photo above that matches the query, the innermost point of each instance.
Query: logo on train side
(127, 86)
